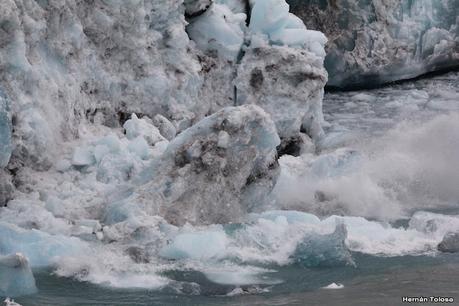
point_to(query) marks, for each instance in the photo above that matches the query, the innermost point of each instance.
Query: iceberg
(375, 42)
(449, 244)
(324, 250)
(16, 278)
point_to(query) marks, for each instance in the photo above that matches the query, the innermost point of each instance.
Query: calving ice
(189, 151)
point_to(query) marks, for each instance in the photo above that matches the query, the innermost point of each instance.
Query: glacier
(143, 140)
(372, 42)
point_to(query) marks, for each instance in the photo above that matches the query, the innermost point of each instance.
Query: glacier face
(378, 41)
(133, 142)
(70, 63)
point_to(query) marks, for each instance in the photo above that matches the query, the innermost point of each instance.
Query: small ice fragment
(334, 286)
(10, 302)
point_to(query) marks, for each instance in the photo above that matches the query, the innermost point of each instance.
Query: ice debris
(199, 181)
(450, 243)
(334, 286)
(10, 302)
(326, 250)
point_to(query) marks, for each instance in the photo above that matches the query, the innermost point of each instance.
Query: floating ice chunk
(324, 250)
(40, 248)
(334, 286)
(450, 243)
(143, 127)
(220, 30)
(10, 302)
(199, 245)
(83, 156)
(16, 277)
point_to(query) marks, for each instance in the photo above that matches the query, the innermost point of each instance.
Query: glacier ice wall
(65, 64)
(278, 62)
(378, 41)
